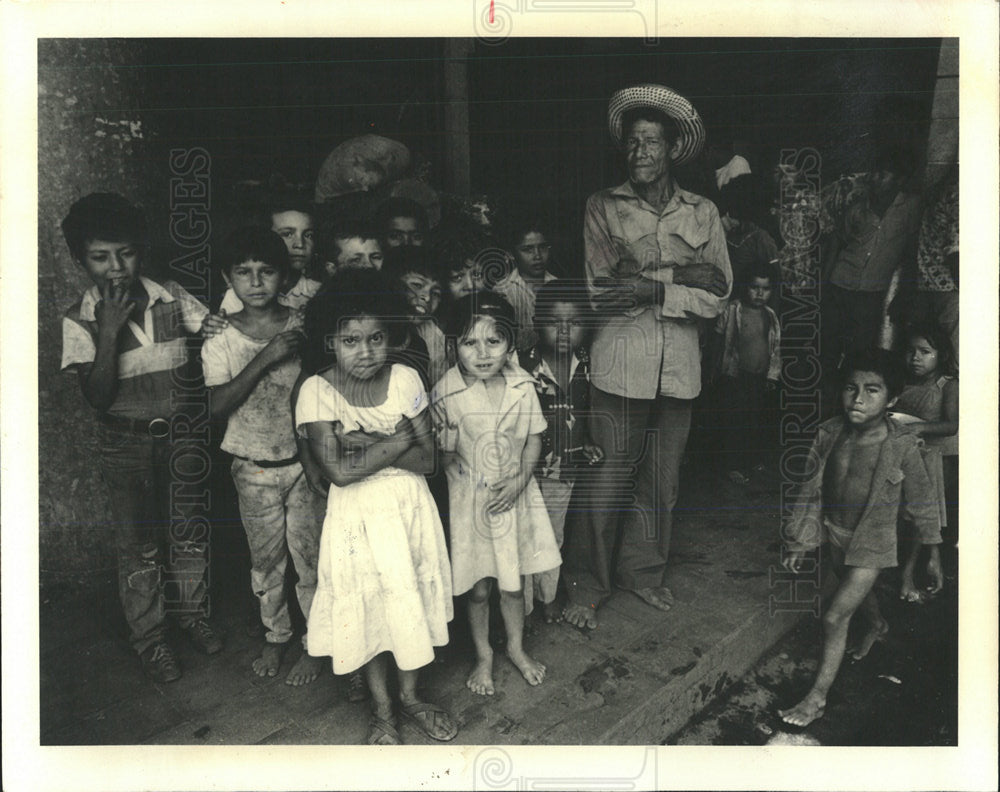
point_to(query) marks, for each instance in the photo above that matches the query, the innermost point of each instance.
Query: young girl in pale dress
(384, 584)
(489, 425)
(929, 404)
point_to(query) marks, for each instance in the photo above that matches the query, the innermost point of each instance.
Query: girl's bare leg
(478, 604)
(512, 610)
(376, 673)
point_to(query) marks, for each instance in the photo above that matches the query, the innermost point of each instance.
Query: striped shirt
(154, 361)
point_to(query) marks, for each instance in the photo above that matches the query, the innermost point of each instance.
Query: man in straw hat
(656, 263)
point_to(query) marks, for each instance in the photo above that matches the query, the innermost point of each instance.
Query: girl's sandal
(382, 732)
(433, 721)
(357, 688)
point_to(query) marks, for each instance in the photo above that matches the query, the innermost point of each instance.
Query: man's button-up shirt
(652, 350)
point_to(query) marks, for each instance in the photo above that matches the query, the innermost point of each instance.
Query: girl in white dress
(489, 425)
(384, 583)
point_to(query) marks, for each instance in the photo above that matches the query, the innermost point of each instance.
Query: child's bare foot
(481, 679)
(532, 671)
(660, 597)
(270, 659)
(305, 670)
(551, 612)
(875, 632)
(580, 616)
(806, 711)
(909, 592)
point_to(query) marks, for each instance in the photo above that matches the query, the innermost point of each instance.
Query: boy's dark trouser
(159, 503)
(748, 420)
(628, 499)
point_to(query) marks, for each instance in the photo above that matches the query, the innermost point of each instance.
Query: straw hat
(692, 131)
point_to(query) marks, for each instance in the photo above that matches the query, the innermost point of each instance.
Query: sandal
(357, 688)
(382, 732)
(433, 721)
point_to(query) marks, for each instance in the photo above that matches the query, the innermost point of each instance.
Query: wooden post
(456, 115)
(942, 143)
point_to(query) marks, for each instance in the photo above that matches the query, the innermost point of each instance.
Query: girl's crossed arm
(419, 457)
(344, 460)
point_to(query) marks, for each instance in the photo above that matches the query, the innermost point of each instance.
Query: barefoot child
(127, 340)
(560, 368)
(931, 397)
(489, 425)
(748, 358)
(865, 467)
(251, 367)
(384, 581)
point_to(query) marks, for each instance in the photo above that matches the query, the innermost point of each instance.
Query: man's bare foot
(481, 679)
(551, 612)
(874, 633)
(532, 671)
(806, 711)
(580, 616)
(305, 670)
(270, 659)
(660, 597)
(909, 592)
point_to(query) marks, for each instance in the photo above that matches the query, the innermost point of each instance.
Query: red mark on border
(491, 11)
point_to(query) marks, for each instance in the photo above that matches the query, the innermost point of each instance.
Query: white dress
(384, 583)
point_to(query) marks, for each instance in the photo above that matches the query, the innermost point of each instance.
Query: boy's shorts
(842, 539)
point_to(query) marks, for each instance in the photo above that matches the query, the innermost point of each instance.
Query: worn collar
(626, 190)
(453, 382)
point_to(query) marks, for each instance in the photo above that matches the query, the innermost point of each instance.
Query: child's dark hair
(352, 294)
(344, 228)
(285, 200)
(455, 243)
(563, 290)
(895, 158)
(878, 361)
(469, 309)
(253, 243)
(521, 223)
(400, 206)
(671, 133)
(940, 341)
(758, 268)
(406, 260)
(739, 197)
(105, 216)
